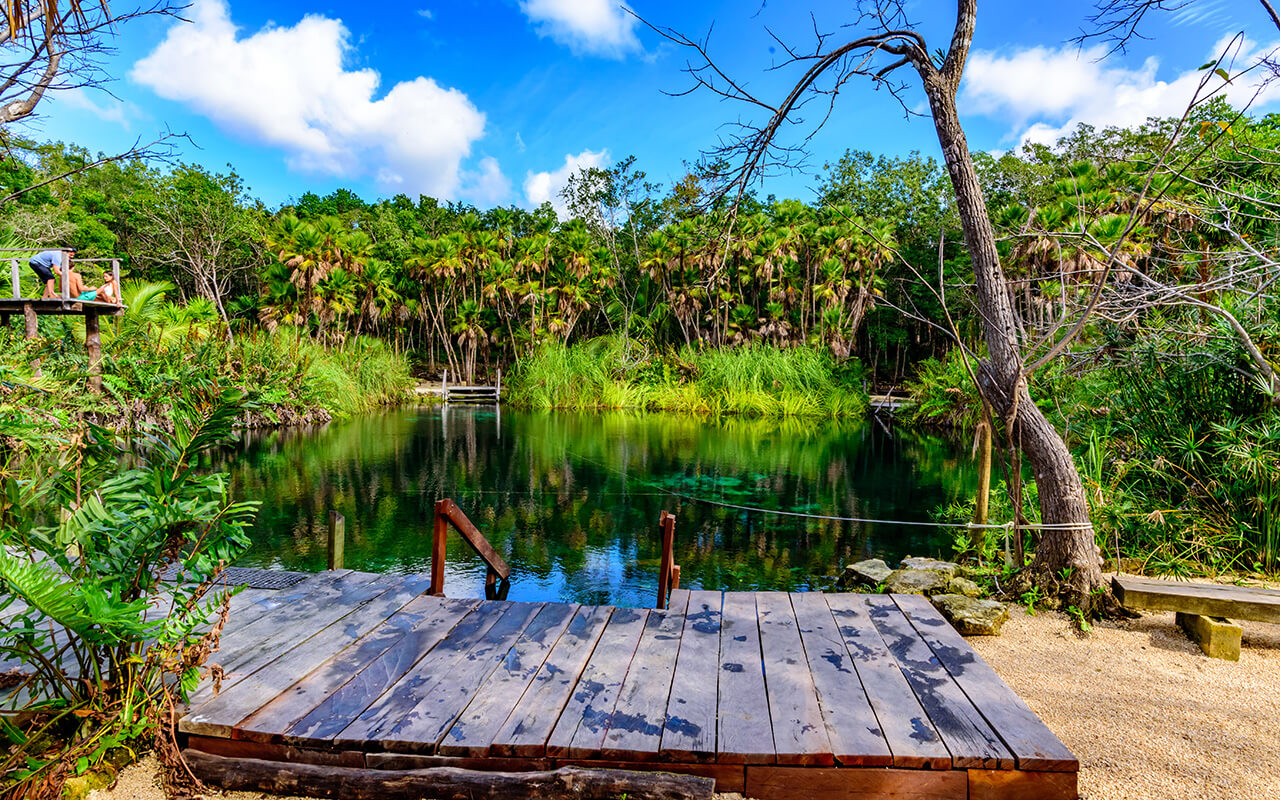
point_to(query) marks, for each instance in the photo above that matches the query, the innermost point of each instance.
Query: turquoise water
(571, 501)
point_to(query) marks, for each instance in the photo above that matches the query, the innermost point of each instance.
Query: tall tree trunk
(1001, 378)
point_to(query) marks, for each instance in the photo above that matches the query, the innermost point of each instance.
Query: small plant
(1031, 598)
(1078, 616)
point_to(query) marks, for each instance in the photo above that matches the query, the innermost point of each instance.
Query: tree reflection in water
(571, 500)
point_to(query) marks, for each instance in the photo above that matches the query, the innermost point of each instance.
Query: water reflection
(571, 501)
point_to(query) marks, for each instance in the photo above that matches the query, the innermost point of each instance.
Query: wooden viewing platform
(475, 395)
(772, 694)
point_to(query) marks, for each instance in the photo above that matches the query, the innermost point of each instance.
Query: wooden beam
(439, 540)
(32, 325)
(17, 280)
(667, 530)
(66, 275)
(93, 346)
(347, 783)
(337, 539)
(1205, 599)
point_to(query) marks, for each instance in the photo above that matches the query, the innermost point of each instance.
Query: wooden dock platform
(774, 695)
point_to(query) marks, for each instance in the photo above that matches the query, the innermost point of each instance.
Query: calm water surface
(571, 501)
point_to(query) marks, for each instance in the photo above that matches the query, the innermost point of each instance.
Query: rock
(965, 587)
(916, 581)
(933, 564)
(972, 617)
(79, 787)
(871, 572)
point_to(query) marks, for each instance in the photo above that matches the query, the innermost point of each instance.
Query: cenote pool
(571, 501)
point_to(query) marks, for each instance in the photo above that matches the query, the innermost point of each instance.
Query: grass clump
(756, 380)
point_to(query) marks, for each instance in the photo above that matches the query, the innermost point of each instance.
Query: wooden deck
(776, 695)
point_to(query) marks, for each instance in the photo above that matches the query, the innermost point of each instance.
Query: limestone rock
(871, 572)
(933, 564)
(972, 617)
(965, 587)
(916, 581)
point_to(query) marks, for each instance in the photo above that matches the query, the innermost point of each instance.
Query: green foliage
(106, 646)
(943, 394)
(754, 380)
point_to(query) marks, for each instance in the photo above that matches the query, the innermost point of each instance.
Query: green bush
(99, 666)
(755, 380)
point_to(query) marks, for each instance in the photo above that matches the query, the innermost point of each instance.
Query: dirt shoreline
(1148, 715)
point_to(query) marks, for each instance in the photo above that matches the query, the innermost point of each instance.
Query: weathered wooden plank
(1035, 747)
(852, 727)
(443, 700)
(527, 728)
(1206, 599)
(635, 729)
(401, 697)
(911, 737)
(298, 616)
(370, 681)
(680, 598)
(286, 629)
(250, 613)
(967, 735)
(728, 777)
(835, 783)
(744, 733)
(282, 667)
(585, 719)
(799, 732)
(689, 731)
(476, 728)
(273, 720)
(1003, 784)
(370, 784)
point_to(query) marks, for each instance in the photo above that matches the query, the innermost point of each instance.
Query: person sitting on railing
(47, 265)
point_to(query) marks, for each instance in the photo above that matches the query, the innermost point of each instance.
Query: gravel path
(1148, 715)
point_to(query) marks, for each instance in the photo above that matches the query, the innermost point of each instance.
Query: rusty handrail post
(447, 513)
(667, 528)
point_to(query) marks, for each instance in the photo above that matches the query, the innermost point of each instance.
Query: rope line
(1006, 526)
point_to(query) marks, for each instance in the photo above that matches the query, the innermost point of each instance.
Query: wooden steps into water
(776, 695)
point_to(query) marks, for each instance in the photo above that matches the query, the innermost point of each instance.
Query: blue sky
(495, 101)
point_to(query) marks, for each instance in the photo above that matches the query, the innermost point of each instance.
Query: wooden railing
(448, 514)
(669, 570)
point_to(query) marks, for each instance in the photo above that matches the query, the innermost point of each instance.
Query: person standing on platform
(47, 265)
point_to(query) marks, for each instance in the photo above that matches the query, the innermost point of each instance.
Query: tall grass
(159, 350)
(618, 373)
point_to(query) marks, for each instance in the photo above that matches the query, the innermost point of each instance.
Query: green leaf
(1222, 73)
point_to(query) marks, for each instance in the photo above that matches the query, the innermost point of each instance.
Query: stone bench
(1204, 610)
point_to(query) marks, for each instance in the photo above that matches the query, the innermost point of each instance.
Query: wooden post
(667, 528)
(66, 275)
(337, 539)
(17, 281)
(497, 394)
(93, 346)
(444, 386)
(440, 535)
(115, 279)
(29, 313)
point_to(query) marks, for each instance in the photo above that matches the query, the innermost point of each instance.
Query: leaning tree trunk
(1001, 379)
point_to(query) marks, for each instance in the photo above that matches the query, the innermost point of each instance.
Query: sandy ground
(1149, 716)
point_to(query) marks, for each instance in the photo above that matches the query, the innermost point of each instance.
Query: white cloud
(426, 13)
(590, 27)
(488, 187)
(1045, 93)
(110, 110)
(289, 87)
(545, 187)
